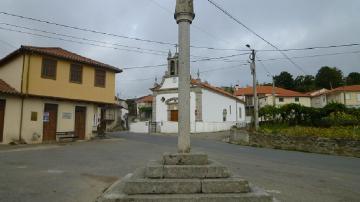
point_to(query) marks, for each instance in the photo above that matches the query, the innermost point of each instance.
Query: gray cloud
(287, 24)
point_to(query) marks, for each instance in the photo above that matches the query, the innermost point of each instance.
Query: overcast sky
(285, 23)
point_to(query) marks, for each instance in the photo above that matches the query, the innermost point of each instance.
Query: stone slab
(162, 186)
(154, 169)
(185, 159)
(226, 185)
(256, 195)
(212, 170)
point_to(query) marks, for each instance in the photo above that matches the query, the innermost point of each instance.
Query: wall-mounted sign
(66, 115)
(46, 117)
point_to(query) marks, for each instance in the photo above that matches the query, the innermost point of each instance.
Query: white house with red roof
(212, 108)
(269, 96)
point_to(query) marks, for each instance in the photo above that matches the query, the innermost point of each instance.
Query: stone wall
(304, 143)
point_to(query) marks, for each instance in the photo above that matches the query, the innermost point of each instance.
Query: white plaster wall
(171, 82)
(213, 105)
(11, 118)
(318, 101)
(162, 107)
(11, 72)
(212, 113)
(139, 127)
(33, 130)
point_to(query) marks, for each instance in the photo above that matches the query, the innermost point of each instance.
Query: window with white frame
(240, 112)
(348, 96)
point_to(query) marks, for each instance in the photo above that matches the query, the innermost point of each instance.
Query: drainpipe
(22, 98)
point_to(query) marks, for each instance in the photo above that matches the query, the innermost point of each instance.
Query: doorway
(50, 122)
(80, 122)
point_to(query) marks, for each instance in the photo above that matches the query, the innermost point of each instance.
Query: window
(100, 77)
(230, 109)
(33, 116)
(75, 73)
(224, 114)
(48, 69)
(281, 99)
(297, 99)
(172, 68)
(358, 97)
(240, 112)
(348, 96)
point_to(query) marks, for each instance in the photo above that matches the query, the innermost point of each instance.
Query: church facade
(211, 108)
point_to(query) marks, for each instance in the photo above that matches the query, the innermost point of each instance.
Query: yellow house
(55, 91)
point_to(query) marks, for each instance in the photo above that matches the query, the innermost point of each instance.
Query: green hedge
(333, 114)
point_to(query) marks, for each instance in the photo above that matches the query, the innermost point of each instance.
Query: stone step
(256, 195)
(155, 169)
(185, 159)
(162, 186)
(138, 184)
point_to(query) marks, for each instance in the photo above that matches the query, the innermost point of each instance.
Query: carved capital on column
(184, 11)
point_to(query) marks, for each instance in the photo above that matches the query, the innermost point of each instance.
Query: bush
(341, 119)
(333, 114)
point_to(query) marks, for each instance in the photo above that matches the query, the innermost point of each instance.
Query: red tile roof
(6, 88)
(213, 88)
(145, 99)
(59, 53)
(280, 92)
(347, 88)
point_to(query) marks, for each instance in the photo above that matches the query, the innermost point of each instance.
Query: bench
(69, 135)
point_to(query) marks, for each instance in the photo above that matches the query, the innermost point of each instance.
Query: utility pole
(184, 15)
(253, 72)
(273, 91)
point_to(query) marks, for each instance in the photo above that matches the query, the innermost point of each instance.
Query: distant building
(211, 108)
(45, 91)
(347, 95)
(318, 98)
(116, 116)
(265, 95)
(144, 107)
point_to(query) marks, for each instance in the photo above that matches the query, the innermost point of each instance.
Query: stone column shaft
(184, 87)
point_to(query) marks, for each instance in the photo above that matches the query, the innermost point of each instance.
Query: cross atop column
(184, 14)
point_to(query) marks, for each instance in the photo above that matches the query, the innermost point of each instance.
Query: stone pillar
(184, 14)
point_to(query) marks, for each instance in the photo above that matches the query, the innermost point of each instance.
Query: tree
(284, 80)
(353, 78)
(329, 77)
(304, 83)
(228, 89)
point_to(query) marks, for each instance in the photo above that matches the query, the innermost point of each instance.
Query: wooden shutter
(100, 77)
(76, 73)
(48, 69)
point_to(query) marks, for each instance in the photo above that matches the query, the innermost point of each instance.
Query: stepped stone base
(183, 177)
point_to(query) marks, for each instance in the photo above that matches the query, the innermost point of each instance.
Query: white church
(212, 109)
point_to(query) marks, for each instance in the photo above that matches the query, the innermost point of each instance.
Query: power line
(317, 47)
(253, 32)
(85, 29)
(193, 61)
(312, 56)
(81, 38)
(195, 26)
(107, 34)
(78, 42)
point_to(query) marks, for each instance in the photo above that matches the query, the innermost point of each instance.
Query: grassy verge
(350, 133)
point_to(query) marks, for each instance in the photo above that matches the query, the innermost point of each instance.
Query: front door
(49, 122)
(174, 115)
(2, 117)
(80, 122)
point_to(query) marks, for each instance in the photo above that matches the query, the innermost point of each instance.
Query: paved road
(80, 171)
